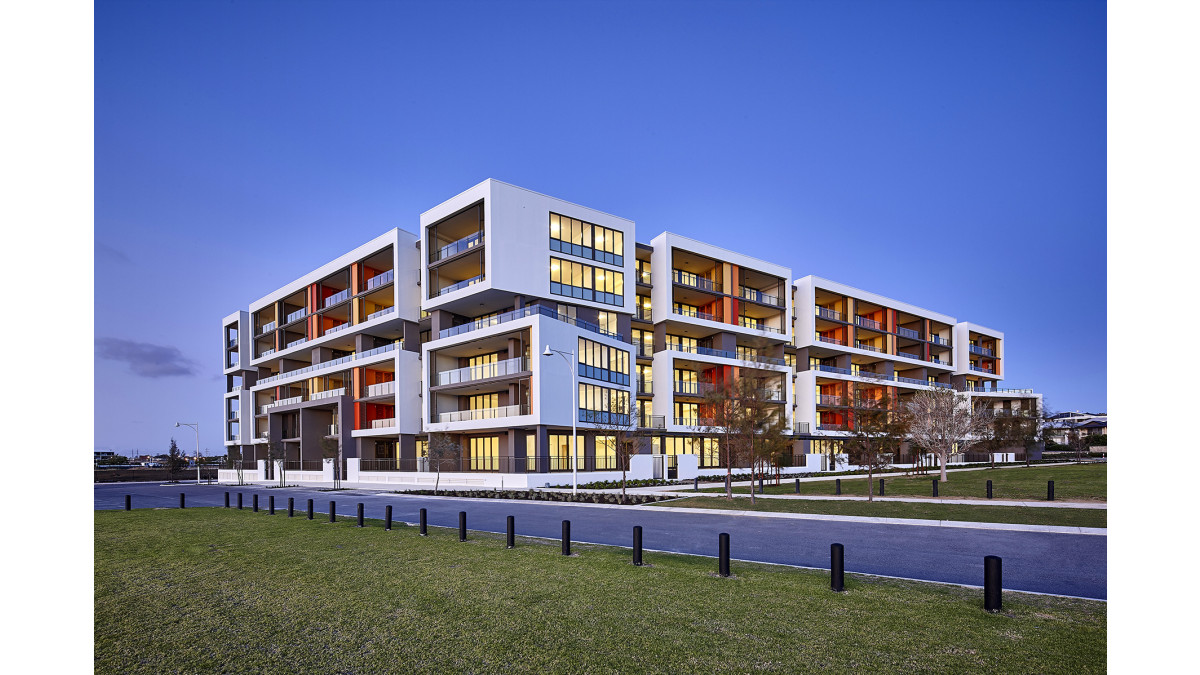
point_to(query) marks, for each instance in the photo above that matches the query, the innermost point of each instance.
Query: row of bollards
(992, 565)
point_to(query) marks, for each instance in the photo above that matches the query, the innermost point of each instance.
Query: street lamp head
(547, 352)
(177, 424)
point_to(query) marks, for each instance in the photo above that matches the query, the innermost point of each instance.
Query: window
(585, 240)
(608, 322)
(560, 451)
(485, 453)
(585, 282)
(604, 363)
(484, 401)
(601, 405)
(606, 452)
(644, 341)
(643, 271)
(681, 343)
(686, 414)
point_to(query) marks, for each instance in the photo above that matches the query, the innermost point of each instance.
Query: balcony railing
(382, 312)
(645, 386)
(868, 323)
(460, 285)
(267, 328)
(938, 340)
(328, 393)
(694, 388)
(298, 314)
(689, 279)
(981, 350)
(704, 351)
(644, 350)
(829, 340)
(800, 428)
(339, 327)
(483, 414)
(863, 345)
(380, 279)
(652, 422)
(758, 358)
(759, 296)
(503, 368)
(384, 423)
(336, 298)
(909, 333)
(381, 389)
(831, 427)
(910, 356)
(693, 421)
(983, 370)
(293, 343)
(233, 414)
(747, 322)
(454, 248)
(829, 314)
(330, 364)
(332, 431)
(282, 401)
(530, 310)
(695, 314)
(643, 314)
(266, 352)
(830, 399)
(236, 387)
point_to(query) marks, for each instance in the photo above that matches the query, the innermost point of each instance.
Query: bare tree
(442, 448)
(621, 422)
(943, 421)
(1014, 428)
(876, 431)
(331, 448)
(235, 462)
(277, 452)
(745, 414)
(721, 410)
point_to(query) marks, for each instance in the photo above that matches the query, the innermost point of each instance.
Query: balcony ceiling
(475, 348)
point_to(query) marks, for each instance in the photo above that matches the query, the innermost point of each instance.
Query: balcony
(293, 343)
(267, 328)
(236, 387)
(747, 322)
(868, 323)
(800, 428)
(460, 285)
(281, 402)
(505, 368)
(644, 351)
(296, 315)
(383, 312)
(757, 358)
(652, 422)
(983, 370)
(695, 314)
(831, 427)
(830, 399)
(759, 296)
(384, 423)
(643, 314)
(381, 389)
(336, 298)
(381, 279)
(645, 387)
(983, 351)
(330, 364)
(328, 393)
(937, 340)
(830, 314)
(233, 415)
(516, 314)
(454, 248)
(332, 431)
(832, 341)
(908, 333)
(910, 356)
(688, 279)
(703, 351)
(483, 413)
(339, 327)
(694, 388)
(266, 352)
(863, 345)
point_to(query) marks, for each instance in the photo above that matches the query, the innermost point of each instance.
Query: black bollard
(992, 580)
(462, 525)
(271, 505)
(989, 489)
(332, 512)
(181, 505)
(291, 506)
(723, 554)
(637, 545)
(566, 537)
(128, 502)
(239, 500)
(797, 486)
(935, 487)
(255, 504)
(424, 529)
(360, 514)
(837, 567)
(1050, 490)
(310, 509)
(837, 486)
(760, 485)
(387, 518)
(226, 500)
(880, 487)
(696, 484)
(511, 537)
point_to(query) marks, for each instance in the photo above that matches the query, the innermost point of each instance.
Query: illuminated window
(585, 240)
(585, 282)
(485, 453)
(601, 405)
(601, 362)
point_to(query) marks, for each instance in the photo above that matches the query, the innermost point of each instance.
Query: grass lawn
(1024, 515)
(1078, 482)
(216, 590)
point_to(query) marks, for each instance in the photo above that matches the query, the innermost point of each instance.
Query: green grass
(1077, 482)
(1023, 515)
(215, 590)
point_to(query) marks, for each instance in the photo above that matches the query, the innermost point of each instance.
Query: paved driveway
(1062, 564)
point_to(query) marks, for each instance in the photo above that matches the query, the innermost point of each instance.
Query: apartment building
(443, 334)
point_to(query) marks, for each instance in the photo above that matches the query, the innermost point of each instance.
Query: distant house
(1063, 427)
(99, 455)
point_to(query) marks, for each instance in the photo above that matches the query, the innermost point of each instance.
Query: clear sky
(948, 154)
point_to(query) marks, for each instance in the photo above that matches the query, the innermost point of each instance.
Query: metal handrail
(383, 423)
(381, 389)
(267, 328)
(385, 310)
(694, 313)
(863, 345)
(483, 413)
(694, 388)
(758, 296)
(705, 351)
(832, 341)
(867, 323)
(908, 332)
(298, 314)
(652, 422)
(328, 393)
(460, 285)
(695, 281)
(329, 364)
(336, 298)
(455, 247)
(984, 351)
(503, 368)
(832, 314)
(529, 310)
(380, 279)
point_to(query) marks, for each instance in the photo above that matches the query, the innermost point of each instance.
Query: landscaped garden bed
(542, 496)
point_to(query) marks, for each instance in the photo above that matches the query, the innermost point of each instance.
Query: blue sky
(948, 154)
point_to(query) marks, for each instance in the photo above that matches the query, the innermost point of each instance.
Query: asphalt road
(1060, 564)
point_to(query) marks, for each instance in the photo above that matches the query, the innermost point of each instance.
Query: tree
(331, 448)
(235, 462)
(277, 452)
(1014, 428)
(877, 428)
(942, 422)
(744, 413)
(442, 449)
(175, 460)
(720, 406)
(621, 422)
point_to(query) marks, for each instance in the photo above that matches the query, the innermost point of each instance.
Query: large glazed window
(585, 282)
(602, 405)
(604, 363)
(585, 240)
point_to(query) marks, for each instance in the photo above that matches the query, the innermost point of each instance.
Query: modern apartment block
(442, 334)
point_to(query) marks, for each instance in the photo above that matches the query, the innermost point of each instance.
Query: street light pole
(574, 413)
(195, 427)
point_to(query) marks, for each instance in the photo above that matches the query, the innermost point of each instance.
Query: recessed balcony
(452, 249)
(982, 351)
(868, 323)
(381, 279)
(336, 298)
(908, 333)
(832, 315)
(694, 281)
(759, 297)
(483, 413)
(507, 368)
(267, 328)
(383, 312)
(296, 315)
(685, 388)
